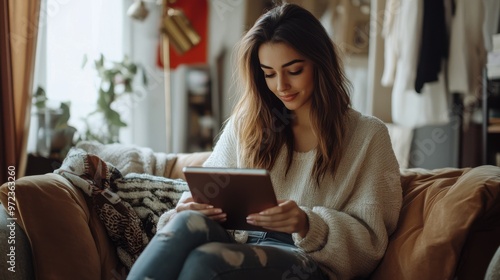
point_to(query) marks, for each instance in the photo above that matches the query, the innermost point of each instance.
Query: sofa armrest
(191, 159)
(67, 238)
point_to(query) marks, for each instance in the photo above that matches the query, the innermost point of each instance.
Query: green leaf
(111, 93)
(40, 98)
(63, 120)
(114, 118)
(128, 86)
(100, 61)
(40, 92)
(144, 76)
(102, 102)
(132, 68)
(107, 74)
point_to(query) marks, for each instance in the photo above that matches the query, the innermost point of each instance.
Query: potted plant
(116, 80)
(54, 136)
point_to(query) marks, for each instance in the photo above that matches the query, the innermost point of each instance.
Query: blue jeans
(192, 246)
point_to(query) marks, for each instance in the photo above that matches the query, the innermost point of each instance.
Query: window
(69, 30)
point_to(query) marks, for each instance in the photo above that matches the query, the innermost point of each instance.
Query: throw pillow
(150, 196)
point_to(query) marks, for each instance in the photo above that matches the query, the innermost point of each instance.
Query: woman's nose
(283, 84)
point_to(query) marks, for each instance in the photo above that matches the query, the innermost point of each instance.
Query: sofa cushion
(442, 211)
(129, 207)
(66, 238)
(131, 158)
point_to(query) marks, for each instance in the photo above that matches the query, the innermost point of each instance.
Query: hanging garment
(433, 45)
(403, 34)
(467, 52)
(491, 21)
(390, 32)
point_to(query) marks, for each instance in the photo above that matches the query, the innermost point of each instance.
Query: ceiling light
(138, 10)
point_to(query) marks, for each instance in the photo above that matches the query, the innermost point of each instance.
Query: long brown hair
(263, 123)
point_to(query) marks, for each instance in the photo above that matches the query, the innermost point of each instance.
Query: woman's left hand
(286, 217)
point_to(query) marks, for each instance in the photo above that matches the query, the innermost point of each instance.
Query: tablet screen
(237, 191)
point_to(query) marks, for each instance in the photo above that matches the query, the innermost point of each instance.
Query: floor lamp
(166, 76)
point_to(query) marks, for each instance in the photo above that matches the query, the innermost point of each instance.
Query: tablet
(237, 191)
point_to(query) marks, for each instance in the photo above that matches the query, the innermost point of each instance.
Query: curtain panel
(18, 36)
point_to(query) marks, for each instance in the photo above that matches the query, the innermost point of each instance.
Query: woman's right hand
(186, 202)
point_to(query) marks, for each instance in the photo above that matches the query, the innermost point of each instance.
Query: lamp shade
(138, 10)
(179, 31)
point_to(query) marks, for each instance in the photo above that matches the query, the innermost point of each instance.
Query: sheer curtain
(70, 31)
(18, 39)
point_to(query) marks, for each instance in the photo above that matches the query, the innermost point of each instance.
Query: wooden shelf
(491, 123)
(494, 121)
(494, 128)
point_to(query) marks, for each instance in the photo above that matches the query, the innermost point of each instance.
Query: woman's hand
(286, 217)
(186, 202)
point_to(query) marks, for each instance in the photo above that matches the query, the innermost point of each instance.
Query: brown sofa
(449, 227)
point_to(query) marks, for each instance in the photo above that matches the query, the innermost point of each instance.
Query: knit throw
(128, 206)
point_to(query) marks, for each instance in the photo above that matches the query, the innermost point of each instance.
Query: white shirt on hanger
(403, 38)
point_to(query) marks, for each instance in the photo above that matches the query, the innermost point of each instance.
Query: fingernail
(210, 206)
(218, 210)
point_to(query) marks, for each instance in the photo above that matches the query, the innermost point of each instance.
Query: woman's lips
(288, 97)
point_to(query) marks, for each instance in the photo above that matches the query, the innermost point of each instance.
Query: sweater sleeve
(225, 151)
(350, 240)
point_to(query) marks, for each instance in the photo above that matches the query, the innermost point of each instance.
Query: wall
(148, 125)
(226, 26)
(379, 97)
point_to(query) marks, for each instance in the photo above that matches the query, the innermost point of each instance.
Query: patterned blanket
(129, 206)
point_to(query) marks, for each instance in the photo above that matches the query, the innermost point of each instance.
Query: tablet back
(237, 191)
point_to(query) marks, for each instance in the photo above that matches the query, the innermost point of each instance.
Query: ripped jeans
(192, 246)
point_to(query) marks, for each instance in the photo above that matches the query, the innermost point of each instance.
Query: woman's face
(288, 75)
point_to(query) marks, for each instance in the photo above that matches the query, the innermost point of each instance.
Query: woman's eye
(296, 72)
(269, 75)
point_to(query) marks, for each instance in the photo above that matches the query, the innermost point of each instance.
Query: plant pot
(53, 138)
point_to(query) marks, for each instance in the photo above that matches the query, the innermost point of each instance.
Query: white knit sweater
(353, 211)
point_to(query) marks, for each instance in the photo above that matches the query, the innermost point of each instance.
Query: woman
(333, 170)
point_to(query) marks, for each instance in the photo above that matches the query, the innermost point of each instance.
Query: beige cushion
(449, 224)
(67, 239)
